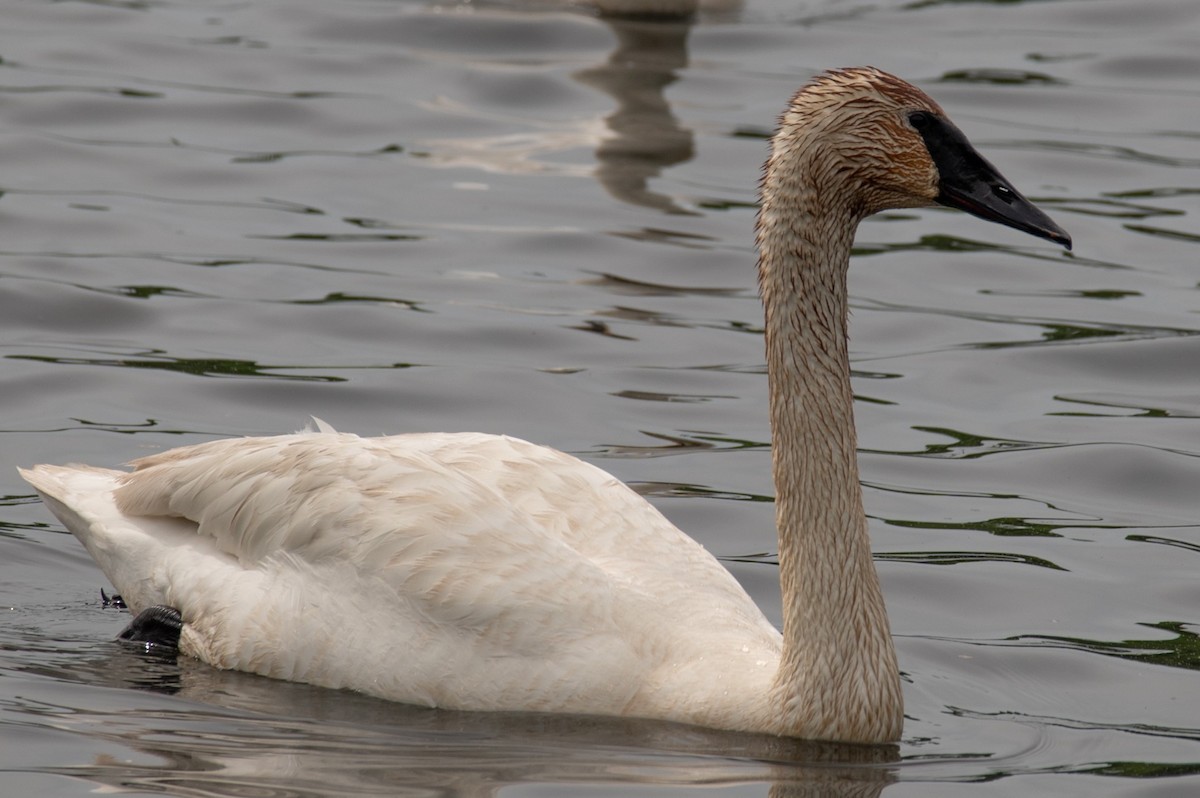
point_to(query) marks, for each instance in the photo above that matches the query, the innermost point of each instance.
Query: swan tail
(70, 493)
(82, 498)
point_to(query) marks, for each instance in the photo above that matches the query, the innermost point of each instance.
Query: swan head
(866, 141)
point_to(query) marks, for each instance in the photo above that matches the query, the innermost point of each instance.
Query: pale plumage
(483, 572)
(454, 570)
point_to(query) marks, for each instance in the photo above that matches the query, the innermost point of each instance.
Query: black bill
(970, 183)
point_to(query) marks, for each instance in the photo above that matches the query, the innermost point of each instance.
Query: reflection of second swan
(633, 144)
(481, 572)
(644, 136)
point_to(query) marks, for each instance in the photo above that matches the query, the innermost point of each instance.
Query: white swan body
(482, 572)
(456, 570)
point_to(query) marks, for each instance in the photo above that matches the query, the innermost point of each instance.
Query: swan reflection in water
(644, 136)
(225, 732)
(633, 144)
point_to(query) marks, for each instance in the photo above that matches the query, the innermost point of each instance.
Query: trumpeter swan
(482, 572)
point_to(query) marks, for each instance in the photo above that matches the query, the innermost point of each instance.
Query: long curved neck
(838, 678)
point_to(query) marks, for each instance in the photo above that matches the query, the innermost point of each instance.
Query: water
(219, 218)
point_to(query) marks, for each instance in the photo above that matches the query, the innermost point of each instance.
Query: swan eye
(1004, 193)
(921, 120)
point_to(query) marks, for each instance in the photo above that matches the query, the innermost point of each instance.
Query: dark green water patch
(965, 445)
(960, 557)
(341, 297)
(677, 443)
(1001, 527)
(1003, 77)
(680, 490)
(1180, 651)
(205, 367)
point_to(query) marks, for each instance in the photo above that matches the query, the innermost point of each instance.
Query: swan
(481, 572)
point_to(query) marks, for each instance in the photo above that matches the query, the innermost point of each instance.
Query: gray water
(218, 218)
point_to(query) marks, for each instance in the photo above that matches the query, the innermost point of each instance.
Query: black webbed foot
(156, 629)
(114, 600)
